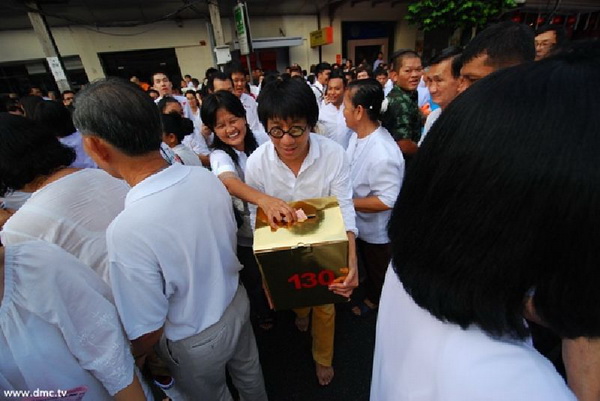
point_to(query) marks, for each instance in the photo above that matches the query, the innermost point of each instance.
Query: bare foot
(324, 374)
(302, 323)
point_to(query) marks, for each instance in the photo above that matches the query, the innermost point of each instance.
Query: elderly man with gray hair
(172, 262)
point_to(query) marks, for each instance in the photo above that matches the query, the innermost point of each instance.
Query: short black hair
(505, 44)
(452, 53)
(399, 55)
(367, 93)
(162, 103)
(234, 68)
(122, 114)
(231, 103)
(68, 91)
(160, 72)
(339, 74)
(28, 150)
(210, 71)
(380, 71)
(285, 99)
(29, 103)
(366, 69)
(55, 117)
(497, 203)
(221, 76)
(173, 123)
(319, 68)
(559, 31)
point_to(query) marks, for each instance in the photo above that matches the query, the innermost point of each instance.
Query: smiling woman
(224, 114)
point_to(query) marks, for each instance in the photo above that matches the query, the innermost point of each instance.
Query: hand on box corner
(277, 211)
(350, 283)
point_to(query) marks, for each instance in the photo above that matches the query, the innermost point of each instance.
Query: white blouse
(221, 162)
(58, 326)
(420, 358)
(72, 212)
(376, 169)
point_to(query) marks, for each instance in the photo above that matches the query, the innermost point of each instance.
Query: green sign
(241, 28)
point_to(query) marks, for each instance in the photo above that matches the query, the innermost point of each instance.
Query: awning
(269, 43)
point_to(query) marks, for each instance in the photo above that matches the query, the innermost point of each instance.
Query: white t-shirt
(319, 91)
(431, 118)
(186, 155)
(376, 169)
(333, 124)
(72, 212)
(252, 115)
(221, 162)
(196, 141)
(75, 142)
(324, 172)
(58, 326)
(172, 253)
(419, 358)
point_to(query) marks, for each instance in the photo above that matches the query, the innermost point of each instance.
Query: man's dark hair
(367, 93)
(160, 72)
(234, 68)
(221, 76)
(296, 68)
(319, 68)
(505, 44)
(366, 69)
(195, 82)
(339, 74)
(55, 117)
(121, 113)
(173, 123)
(29, 103)
(479, 222)
(65, 93)
(287, 99)
(559, 32)
(232, 104)
(398, 56)
(210, 71)
(380, 71)
(28, 150)
(453, 53)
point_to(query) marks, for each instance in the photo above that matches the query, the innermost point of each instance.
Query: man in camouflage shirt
(402, 117)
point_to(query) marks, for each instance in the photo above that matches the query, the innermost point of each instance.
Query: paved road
(288, 367)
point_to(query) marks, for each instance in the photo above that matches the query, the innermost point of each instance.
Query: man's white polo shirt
(333, 124)
(324, 172)
(172, 253)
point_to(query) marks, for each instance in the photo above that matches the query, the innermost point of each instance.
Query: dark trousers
(373, 260)
(252, 280)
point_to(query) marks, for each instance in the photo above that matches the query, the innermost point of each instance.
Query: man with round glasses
(297, 164)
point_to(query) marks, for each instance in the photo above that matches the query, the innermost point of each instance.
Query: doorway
(367, 50)
(142, 64)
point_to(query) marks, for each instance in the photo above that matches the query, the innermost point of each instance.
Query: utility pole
(215, 20)
(42, 31)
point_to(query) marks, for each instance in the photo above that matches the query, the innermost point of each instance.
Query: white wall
(193, 58)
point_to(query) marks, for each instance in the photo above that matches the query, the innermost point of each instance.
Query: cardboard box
(299, 263)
